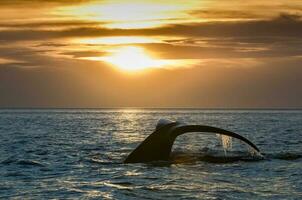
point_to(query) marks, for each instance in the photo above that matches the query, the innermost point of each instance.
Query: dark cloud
(49, 24)
(282, 26)
(81, 54)
(28, 57)
(40, 3)
(279, 37)
(224, 14)
(286, 17)
(51, 44)
(231, 50)
(23, 35)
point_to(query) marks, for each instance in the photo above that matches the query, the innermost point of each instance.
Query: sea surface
(79, 153)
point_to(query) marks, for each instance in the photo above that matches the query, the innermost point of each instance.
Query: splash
(254, 153)
(226, 142)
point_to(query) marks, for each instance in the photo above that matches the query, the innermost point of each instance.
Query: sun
(132, 58)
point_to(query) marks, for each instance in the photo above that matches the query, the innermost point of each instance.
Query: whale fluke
(158, 145)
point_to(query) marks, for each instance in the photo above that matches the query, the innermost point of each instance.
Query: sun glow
(117, 40)
(132, 59)
(131, 15)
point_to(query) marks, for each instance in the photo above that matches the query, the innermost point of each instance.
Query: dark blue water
(78, 154)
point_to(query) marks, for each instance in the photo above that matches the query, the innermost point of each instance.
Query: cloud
(288, 26)
(21, 3)
(170, 51)
(25, 35)
(49, 24)
(81, 54)
(278, 37)
(283, 26)
(200, 47)
(249, 56)
(224, 14)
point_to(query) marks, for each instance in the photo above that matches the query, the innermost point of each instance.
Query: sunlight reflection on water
(79, 154)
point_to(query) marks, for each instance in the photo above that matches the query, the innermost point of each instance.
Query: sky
(120, 53)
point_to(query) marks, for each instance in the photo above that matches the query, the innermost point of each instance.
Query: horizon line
(149, 108)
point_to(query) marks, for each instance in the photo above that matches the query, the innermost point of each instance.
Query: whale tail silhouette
(158, 145)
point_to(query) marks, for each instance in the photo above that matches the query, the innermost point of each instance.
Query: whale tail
(158, 145)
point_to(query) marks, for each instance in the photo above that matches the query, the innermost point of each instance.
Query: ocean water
(79, 153)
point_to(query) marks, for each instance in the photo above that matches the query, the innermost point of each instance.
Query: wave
(204, 155)
(22, 162)
(216, 156)
(285, 156)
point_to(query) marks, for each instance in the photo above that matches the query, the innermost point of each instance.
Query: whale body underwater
(158, 145)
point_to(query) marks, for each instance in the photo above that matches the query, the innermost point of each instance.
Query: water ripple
(78, 154)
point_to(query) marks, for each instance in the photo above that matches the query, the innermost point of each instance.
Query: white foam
(253, 152)
(226, 142)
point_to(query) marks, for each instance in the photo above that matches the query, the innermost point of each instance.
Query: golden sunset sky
(119, 53)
